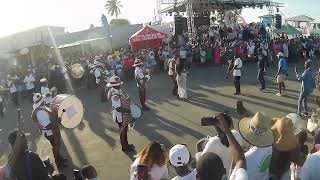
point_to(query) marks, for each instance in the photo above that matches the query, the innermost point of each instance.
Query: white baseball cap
(179, 155)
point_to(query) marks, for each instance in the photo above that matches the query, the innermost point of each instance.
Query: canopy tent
(287, 29)
(147, 37)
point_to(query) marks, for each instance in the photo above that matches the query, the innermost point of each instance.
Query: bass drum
(77, 71)
(69, 108)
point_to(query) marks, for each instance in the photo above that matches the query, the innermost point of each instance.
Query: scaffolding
(190, 22)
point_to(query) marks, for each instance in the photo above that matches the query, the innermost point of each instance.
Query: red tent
(147, 36)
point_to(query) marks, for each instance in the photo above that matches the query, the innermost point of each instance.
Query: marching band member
(45, 91)
(11, 82)
(141, 79)
(29, 81)
(49, 127)
(98, 73)
(118, 111)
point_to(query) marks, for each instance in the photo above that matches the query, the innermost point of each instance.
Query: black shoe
(132, 146)
(146, 108)
(237, 93)
(128, 149)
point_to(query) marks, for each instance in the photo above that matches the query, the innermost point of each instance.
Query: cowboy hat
(257, 130)
(37, 100)
(114, 81)
(137, 62)
(283, 130)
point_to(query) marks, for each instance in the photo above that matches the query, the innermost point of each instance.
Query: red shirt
(128, 63)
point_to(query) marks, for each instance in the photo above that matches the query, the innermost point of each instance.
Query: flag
(105, 25)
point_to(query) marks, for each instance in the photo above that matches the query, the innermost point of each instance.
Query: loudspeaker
(180, 24)
(278, 22)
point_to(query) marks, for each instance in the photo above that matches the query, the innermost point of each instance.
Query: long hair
(153, 154)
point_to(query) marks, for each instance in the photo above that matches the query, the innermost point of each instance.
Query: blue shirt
(307, 80)
(282, 66)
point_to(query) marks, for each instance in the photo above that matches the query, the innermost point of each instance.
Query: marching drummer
(49, 127)
(98, 73)
(141, 79)
(45, 91)
(118, 111)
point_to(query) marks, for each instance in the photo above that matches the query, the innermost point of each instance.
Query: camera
(212, 121)
(77, 175)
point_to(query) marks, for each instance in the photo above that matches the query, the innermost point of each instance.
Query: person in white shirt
(180, 159)
(202, 55)
(11, 82)
(219, 145)
(210, 165)
(98, 73)
(118, 111)
(141, 79)
(257, 132)
(29, 81)
(45, 120)
(45, 91)
(153, 158)
(310, 169)
(172, 74)
(237, 75)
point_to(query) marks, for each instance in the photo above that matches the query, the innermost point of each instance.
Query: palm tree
(113, 7)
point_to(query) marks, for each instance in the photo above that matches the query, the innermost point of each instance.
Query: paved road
(170, 121)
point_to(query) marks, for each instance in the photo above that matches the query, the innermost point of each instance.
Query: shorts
(281, 78)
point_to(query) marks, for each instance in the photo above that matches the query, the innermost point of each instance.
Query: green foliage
(113, 7)
(119, 22)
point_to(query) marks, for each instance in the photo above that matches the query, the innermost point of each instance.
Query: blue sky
(18, 15)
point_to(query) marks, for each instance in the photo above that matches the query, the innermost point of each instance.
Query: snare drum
(69, 108)
(136, 112)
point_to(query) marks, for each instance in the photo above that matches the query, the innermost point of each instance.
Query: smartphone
(143, 172)
(19, 114)
(208, 121)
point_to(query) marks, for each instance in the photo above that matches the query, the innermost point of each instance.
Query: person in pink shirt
(217, 54)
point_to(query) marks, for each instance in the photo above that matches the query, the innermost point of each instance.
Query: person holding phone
(219, 144)
(5, 170)
(210, 165)
(22, 163)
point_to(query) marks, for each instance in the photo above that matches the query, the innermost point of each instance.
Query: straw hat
(137, 62)
(37, 100)
(257, 130)
(114, 81)
(283, 130)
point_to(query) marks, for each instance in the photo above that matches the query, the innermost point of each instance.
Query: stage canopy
(147, 37)
(168, 6)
